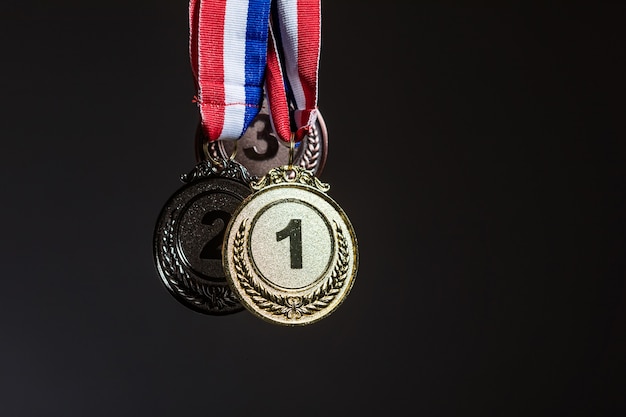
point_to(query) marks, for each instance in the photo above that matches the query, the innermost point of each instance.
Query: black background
(478, 151)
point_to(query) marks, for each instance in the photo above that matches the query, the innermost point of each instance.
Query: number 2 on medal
(213, 248)
(294, 232)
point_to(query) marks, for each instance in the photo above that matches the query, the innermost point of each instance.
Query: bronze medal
(260, 150)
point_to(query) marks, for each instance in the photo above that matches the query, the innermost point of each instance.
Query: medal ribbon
(228, 51)
(292, 66)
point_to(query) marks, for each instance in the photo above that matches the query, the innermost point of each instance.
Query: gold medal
(290, 252)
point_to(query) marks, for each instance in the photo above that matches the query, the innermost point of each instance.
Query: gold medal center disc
(299, 258)
(290, 253)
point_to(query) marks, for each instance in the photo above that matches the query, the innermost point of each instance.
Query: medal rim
(244, 298)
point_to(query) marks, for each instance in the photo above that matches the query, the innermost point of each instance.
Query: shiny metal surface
(290, 252)
(189, 233)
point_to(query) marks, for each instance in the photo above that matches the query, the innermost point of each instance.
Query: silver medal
(189, 234)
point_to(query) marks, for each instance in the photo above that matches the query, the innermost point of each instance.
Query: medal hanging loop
(293, 66)
(228, 49)
(292, 148)
(217, 162)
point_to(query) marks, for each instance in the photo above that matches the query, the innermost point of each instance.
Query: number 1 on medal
(294, 232)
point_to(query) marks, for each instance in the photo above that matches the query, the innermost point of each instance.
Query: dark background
(478, 151)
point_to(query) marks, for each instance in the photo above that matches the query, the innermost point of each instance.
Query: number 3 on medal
(266, 135)
(294, 232)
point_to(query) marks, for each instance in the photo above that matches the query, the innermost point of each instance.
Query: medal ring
(214, 161)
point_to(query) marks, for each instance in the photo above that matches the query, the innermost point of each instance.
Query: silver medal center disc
(290, 253)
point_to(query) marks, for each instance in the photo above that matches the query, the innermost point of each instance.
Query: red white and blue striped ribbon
(228, 50)
(293, 66)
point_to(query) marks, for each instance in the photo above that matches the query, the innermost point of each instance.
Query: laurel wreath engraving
(311, 154)
(308, 159)
(214, 298)
(292, 307)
